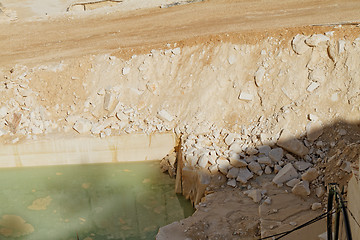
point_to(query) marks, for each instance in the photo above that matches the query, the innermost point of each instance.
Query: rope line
(352, 215)
(283, 234)
(340, 206)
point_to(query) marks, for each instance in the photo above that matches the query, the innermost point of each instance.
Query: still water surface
(102, 201)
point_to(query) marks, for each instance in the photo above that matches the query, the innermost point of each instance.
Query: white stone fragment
(315, 206)
(302, 165)
(287, 173)
(268, 170)
(125, 70)
(277, 168)
(176, 51)
(317, 75)
(265, 149)
(276, 154)
(334, 97)
(323, 236)
(122, 116)
(301, 189)
(191, 159)
(298, 44)
(267, 201)
(316, 39)
(3, 112)
(82, 126)
(231, 182)
(291, 144)
(255, 194)
(231, 59)
(36, 130)
(255, 168)
(233, 172)
(246, 96)
(346, 166)
(342, 132)
(312, 86)
(251, 151)
(244, 175)
(107, 132)
(165, 116)
(236, 147)
(108, 100)
(292, 182)
(341, 44)
(265, 160)
(213, 169)
(259, 76)
(319, 191)
(223, 165)
(310, 175)
(236, 161)
(230, 138)
(203, 161)
(314, 130)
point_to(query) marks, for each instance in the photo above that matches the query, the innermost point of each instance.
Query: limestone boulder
(254, 194)
(302, 165)
(264, 149)
(244, 175)
(223, 165)
(259, 76)
(290, 143)
(301, 189)
(310, 175)
(255, 167)
(276, 154)
(231, 182)
(233, 173)
(292, 182)
(298, 44)
(287, 173)
(265, 160)
(314, 130)
(316, 39)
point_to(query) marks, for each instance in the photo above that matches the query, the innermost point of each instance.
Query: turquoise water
(102, 201)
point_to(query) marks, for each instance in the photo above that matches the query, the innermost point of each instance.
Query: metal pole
(346, 216)
(337, 218)
(329, 208)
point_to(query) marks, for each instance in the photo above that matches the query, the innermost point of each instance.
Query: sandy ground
(55, 38)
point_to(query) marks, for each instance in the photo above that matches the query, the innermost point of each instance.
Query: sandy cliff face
(258, 89)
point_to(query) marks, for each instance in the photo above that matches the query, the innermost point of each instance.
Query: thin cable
(318, 218)
(352, 215)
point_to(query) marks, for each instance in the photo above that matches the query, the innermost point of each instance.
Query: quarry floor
(37, 39)
(68, 35)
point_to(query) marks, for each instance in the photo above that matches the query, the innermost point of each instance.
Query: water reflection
(108, 201)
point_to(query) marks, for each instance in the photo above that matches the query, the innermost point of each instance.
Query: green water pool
(100, 201)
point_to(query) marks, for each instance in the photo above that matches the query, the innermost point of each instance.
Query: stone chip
(287, 173)
(301, 189)
(310, 175)
(291, 144)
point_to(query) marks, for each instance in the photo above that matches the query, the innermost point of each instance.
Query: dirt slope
(72, 36)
